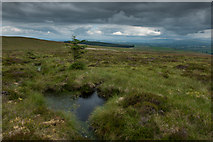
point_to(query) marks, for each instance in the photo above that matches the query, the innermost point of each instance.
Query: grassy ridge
(25, 43)
(149, 95)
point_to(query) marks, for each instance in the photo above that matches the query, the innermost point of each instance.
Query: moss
(108, 122)
(156, 101)
(147, 108)
(108, 92)
(36, 122)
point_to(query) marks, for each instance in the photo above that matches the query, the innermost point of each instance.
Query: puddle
(85, 106)
(82, 107)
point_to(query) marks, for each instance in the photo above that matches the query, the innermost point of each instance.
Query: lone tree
(76, 49)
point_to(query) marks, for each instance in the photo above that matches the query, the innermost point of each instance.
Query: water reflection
(82, 107)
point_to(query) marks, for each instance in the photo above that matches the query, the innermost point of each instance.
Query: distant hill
(96, 43)
(202, 46)
(25, 43)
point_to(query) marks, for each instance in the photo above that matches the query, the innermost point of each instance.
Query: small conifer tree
(76, 49)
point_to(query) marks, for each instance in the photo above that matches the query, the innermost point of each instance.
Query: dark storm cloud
(179, 18)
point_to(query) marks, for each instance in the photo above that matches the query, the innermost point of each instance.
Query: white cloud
(98, 31)
(9, 29)
(94, 32)
(201, 34)
(137, 31)
(113, 32)
(18, 31)
(117, 33)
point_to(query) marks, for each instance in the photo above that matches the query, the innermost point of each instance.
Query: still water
(82, 107)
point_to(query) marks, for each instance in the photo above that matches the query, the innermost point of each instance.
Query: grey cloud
(178, 18)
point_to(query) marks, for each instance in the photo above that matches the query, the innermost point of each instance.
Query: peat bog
(147, 95)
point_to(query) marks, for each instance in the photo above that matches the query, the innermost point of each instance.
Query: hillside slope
(22, 43)
(149, 95)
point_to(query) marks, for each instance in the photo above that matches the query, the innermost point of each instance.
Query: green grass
(149, 95)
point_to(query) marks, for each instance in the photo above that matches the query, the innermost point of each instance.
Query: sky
(108, 21)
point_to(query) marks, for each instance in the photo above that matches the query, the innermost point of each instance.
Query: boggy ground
(150, 95)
